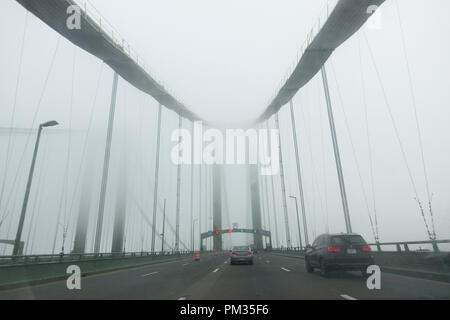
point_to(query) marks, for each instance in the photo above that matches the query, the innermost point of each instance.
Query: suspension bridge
(132, 209)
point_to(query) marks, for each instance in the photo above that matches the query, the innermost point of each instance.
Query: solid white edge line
(345, 296)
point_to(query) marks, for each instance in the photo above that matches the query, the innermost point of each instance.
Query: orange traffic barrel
(197, 256)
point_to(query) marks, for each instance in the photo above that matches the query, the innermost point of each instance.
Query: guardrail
(422, 263)
(73, 257)
(378, 246)
(406, 244)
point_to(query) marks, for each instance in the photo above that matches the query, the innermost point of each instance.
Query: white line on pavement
(347, 297)
(267, 261)
(185, 264)
(182, 298)
(216, 270)
(149, 274)
(287, 270)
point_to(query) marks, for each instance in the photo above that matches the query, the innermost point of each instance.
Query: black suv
(348, 252)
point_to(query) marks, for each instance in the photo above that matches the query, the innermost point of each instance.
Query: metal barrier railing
(378, 246)
(406, 244)
(58, 258)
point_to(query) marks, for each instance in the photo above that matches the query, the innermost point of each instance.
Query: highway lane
(272, 276)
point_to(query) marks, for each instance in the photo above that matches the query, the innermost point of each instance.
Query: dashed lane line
(149, 274)
(345, 296)
(287, 270)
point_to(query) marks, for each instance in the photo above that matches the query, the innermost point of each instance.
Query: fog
(224, 60)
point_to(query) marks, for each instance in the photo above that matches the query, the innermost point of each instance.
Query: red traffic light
(230, 230)
(217, 232)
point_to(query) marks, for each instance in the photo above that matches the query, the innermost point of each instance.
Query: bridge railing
(400, 246)
(59, 258)
(93, 16)
(408, 246)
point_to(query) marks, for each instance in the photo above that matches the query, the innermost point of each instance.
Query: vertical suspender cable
(416, 116)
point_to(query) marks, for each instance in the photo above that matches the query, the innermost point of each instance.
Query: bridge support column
(255, 203)
(283, 185)
(155, 187)
(177, 227)
(101, 206)
(299, 176)
(79, 245)
(337, 156)
(217, 206)
(120, 210)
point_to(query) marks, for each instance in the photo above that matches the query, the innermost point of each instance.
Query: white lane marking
(182, 298)
(267, 261)
(185, 264)
(347, 297)
(216, 270)
(287, 270)
(225, 262)
(149, 274)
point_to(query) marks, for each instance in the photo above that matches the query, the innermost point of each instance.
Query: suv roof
(342, 234)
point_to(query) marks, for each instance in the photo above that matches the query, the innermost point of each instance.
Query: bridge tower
(120, 209)
(79, 245)
(255, 203)
(217, 206)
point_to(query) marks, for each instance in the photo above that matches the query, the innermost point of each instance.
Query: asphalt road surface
(271, 277)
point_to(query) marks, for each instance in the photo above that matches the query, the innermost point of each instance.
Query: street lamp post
(298, 222)
(164, 222)
(17, 246)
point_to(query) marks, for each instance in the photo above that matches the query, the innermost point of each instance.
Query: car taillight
(233, 253)
(249, 253)
(368, 248)
(333, 249)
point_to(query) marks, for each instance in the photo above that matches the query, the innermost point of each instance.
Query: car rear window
(346, 240)
(242, 248)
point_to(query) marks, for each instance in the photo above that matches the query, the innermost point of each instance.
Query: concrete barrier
(18, 275)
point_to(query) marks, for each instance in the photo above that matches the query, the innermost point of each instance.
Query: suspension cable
(358, 169)
(369, 143)
(84, 149)
(33, 122)
(13, 115)
(324, 170)
(397, 135)
(416, 116)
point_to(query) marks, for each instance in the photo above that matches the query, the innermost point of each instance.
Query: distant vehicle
(347, 252)
(241, 254)
(253, 248)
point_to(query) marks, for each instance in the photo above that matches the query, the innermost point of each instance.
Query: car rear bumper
(241, 259)
(348, 265)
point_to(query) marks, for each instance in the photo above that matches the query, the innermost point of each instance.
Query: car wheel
(231, 262)
(364, 273)
(323, 269)
(251, 262)
(309, 268)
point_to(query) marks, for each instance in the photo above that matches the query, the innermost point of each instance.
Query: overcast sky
(225, 59)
